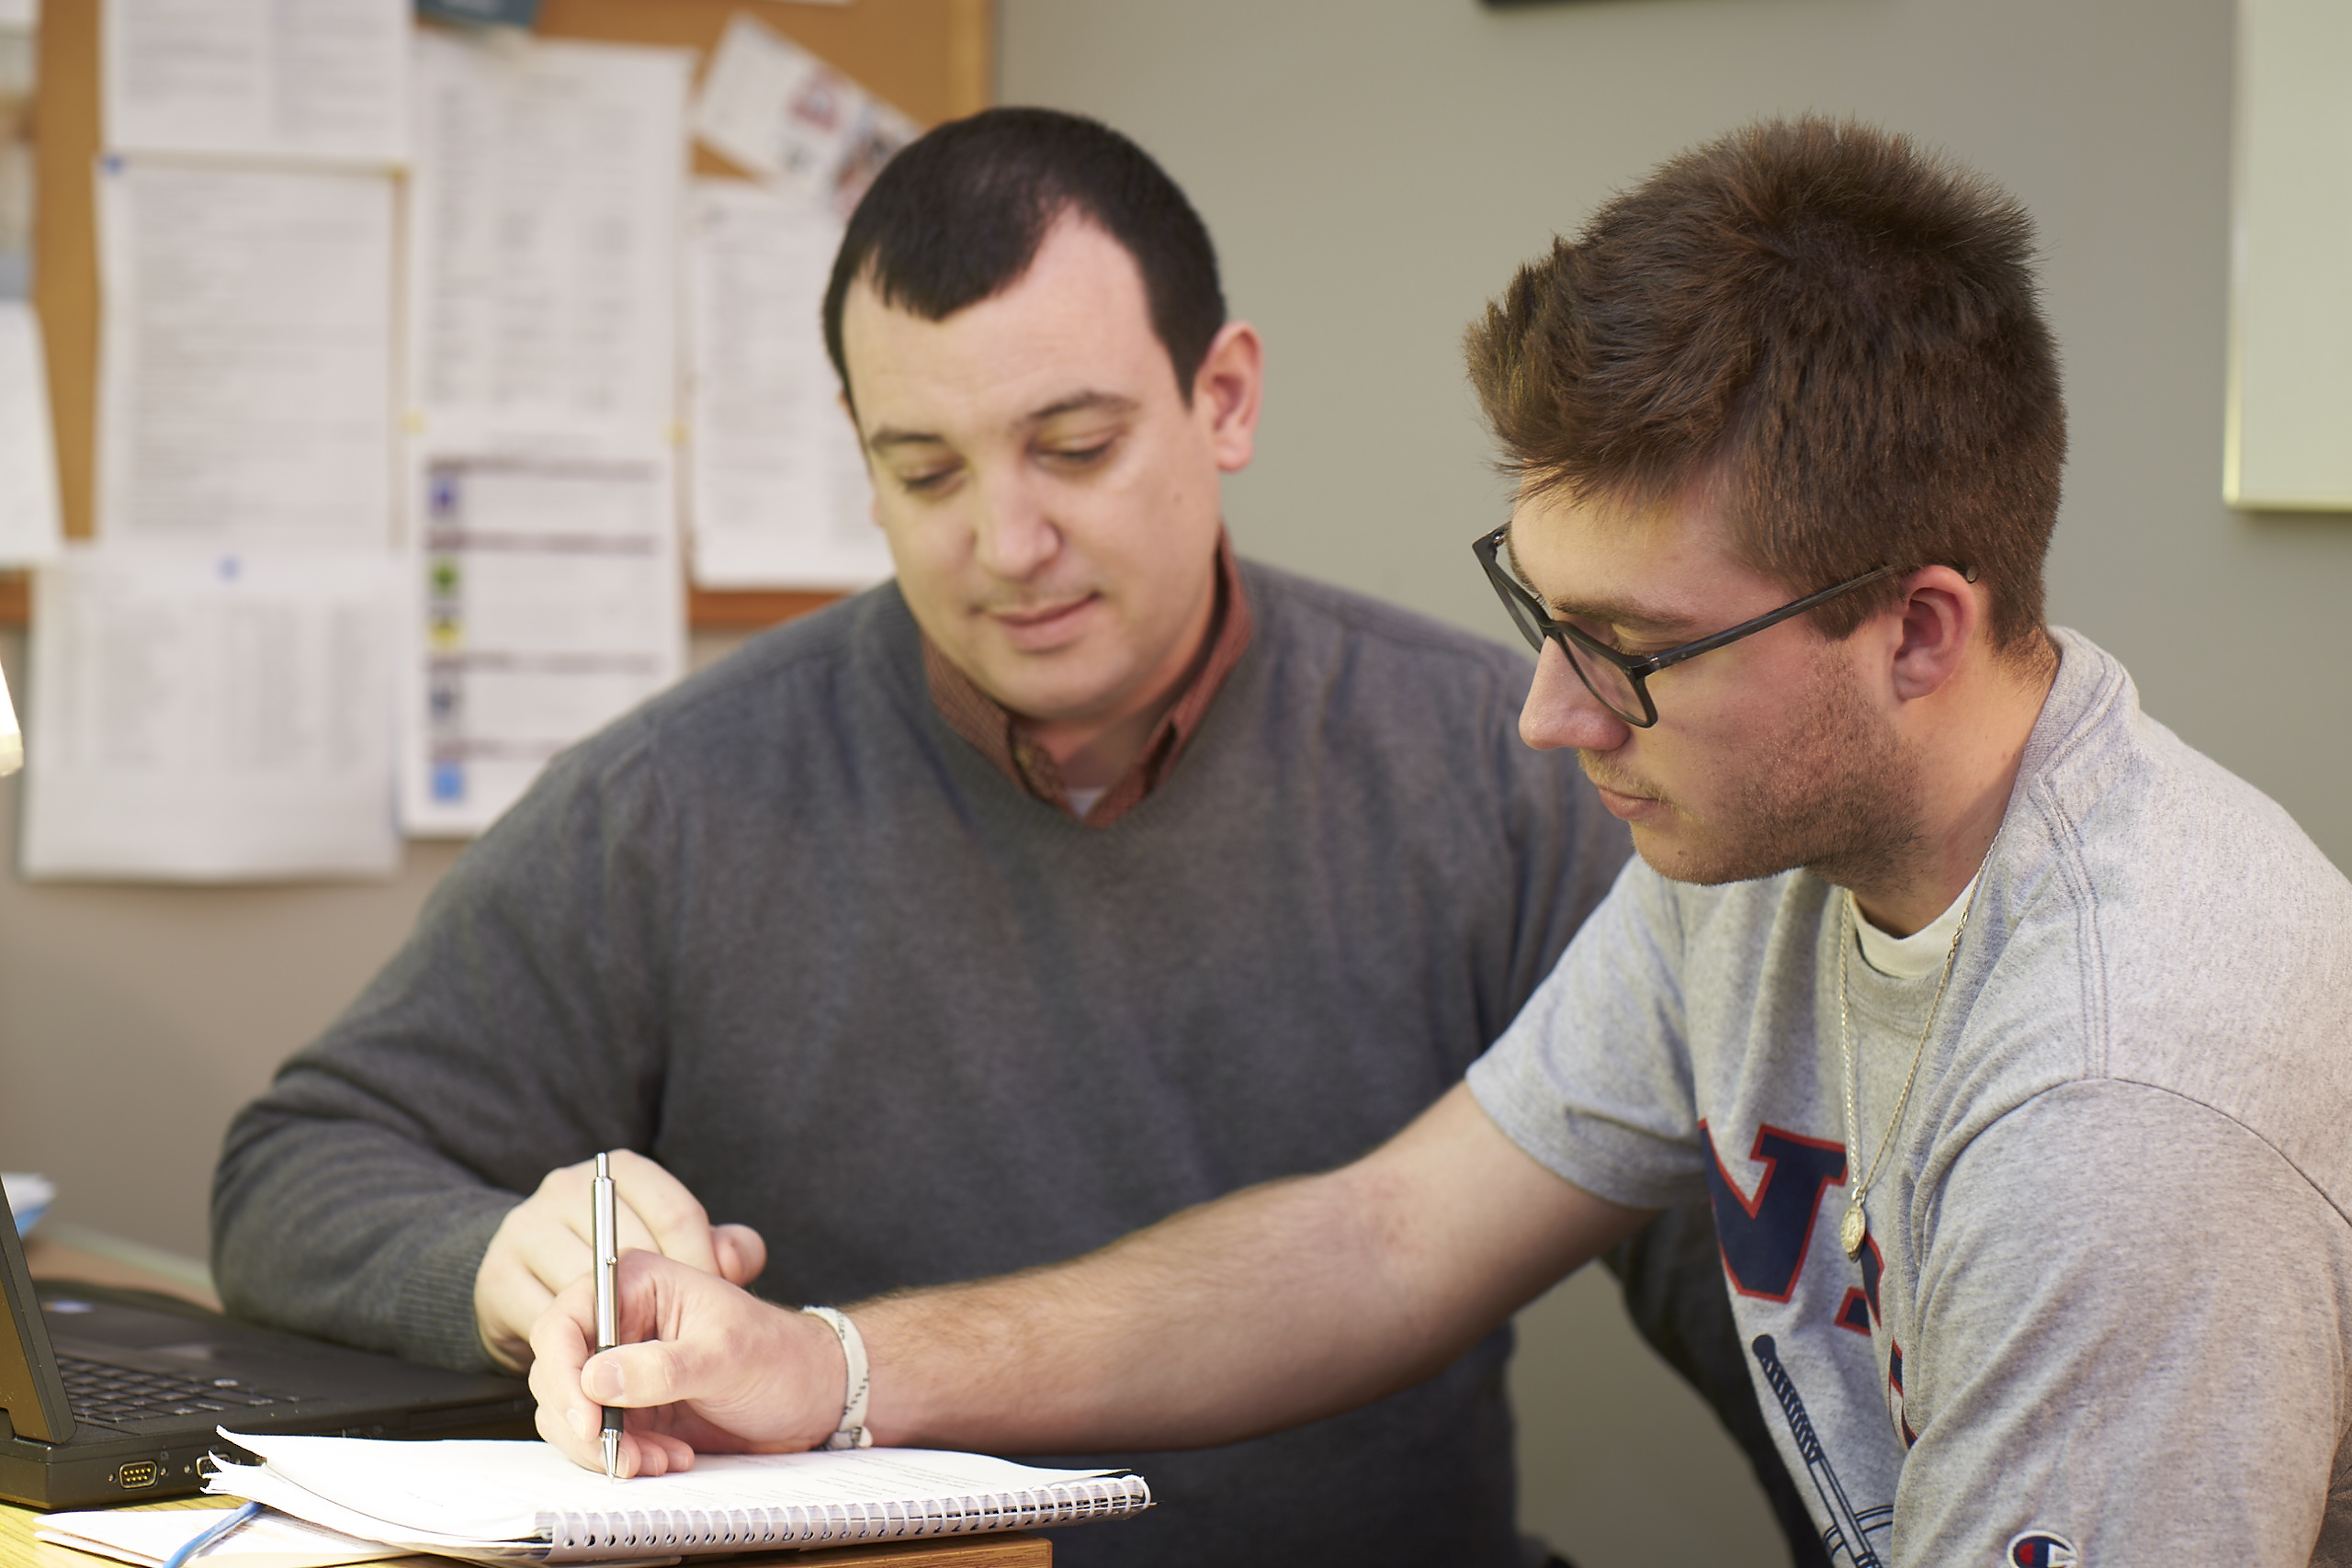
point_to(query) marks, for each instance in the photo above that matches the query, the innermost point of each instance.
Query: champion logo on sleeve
(2039, 1548)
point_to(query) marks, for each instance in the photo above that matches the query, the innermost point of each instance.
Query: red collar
(996, 734)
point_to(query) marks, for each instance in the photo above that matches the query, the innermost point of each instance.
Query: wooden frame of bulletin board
(931, 58)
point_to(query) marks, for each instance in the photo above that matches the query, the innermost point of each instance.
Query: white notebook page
(492, 1491)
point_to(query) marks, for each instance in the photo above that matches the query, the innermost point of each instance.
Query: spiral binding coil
(573, 1538)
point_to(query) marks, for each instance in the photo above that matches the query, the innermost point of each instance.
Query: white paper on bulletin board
(245, 365)
(219, 715)
(2289, 439)
(779, 493)
(323, 79)
(546, 603)
(543, 223)
(30, 530)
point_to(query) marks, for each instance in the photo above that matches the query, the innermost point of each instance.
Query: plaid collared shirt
(997, 735)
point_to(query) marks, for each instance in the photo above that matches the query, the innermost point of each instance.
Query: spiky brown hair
(1841, 332)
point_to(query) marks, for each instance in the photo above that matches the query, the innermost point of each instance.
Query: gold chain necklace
(1855, 1228)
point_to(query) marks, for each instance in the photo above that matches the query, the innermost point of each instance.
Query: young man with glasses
(2006, 1034)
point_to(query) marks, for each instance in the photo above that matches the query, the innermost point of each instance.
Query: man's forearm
(342, 1228)
(1253, 1313)
(1271, 1307)
(1266, 1308)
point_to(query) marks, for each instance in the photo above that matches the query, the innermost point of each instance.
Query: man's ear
(1226, 392)
(1941, 612)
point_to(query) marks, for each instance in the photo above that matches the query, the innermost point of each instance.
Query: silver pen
(608, 1258)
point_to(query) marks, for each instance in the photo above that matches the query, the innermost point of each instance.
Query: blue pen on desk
(204, 1543)
(608, 1258)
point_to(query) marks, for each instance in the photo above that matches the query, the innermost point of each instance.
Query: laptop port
(138, 1473)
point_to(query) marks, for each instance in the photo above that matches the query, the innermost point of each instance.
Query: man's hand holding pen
(546, 1242)
(700, 1366)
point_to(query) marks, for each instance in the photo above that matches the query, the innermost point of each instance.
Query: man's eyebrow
(1624, 613)
(890, 437)
(1084, 402)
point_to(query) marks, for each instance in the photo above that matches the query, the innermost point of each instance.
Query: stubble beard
(1836, 793)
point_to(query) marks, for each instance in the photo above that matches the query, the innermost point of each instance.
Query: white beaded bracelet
(851, 1433)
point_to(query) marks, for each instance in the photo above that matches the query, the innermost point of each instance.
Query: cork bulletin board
(930, 58)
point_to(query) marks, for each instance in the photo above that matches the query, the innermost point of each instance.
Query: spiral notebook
(502, 1501)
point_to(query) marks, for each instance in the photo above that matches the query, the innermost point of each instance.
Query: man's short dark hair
(957, 217)
(1842, 330)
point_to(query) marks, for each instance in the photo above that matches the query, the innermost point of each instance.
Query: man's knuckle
(673, 1209)
(665, 1377)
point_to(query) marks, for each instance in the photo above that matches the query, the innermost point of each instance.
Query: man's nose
(1562, 713)
(1012, 534)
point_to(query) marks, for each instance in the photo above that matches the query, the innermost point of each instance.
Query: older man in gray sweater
(1081, 875)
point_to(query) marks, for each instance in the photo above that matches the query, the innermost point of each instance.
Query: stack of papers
(268, 1540)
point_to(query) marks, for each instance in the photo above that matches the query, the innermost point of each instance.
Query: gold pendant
(1853, 1230)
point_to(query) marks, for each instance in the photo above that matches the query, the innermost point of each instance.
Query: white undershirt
(1081, 801)
(1921, 952)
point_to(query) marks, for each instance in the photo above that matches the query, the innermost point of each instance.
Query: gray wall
(1373, 169)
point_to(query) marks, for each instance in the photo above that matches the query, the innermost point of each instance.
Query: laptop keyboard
(103, 1392)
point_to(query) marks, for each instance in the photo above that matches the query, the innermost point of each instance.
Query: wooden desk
(46, 1260)
(19, 1550)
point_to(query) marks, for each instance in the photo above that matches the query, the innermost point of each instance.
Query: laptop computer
(112, 1396)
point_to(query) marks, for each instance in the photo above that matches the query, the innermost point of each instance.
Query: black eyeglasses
(1619, 680)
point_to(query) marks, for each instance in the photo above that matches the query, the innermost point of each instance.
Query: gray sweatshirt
(2103, 1311)
(786, 933)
